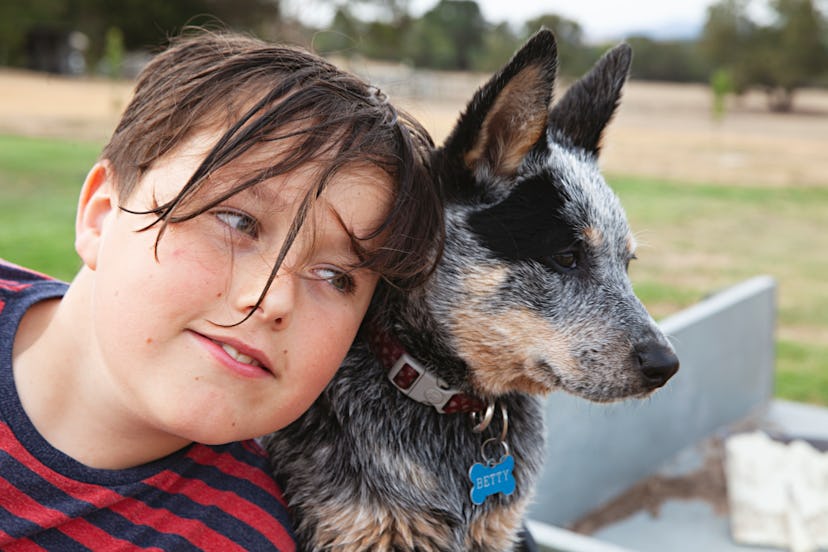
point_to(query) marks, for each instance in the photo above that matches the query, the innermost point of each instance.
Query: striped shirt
(199, 498)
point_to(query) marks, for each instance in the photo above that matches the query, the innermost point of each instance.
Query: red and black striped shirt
(200, 498)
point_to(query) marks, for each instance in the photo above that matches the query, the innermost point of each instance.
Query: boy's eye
(340, 280)
(240, 222)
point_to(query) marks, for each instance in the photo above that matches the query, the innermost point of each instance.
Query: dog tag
(489, 479)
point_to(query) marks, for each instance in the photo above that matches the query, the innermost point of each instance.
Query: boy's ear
(97, 200)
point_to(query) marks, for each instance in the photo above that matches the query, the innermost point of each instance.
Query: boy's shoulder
(21, 287)
(16, 278)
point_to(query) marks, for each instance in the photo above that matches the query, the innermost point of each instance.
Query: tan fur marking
(593, 236)
(411, 473)
(497, 530)
(503, 356)
(513, 124)
(480, 285)
(351, 527)
(631, 244)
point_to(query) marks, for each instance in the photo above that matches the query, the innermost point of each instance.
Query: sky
(600, 19)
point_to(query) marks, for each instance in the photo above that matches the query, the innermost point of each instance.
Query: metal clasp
(426, 388)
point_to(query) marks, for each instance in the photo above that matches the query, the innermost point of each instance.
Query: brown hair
(267, 92)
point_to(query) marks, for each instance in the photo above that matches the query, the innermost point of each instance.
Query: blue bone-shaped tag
(489, 480)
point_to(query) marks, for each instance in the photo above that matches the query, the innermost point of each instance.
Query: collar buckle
(413, 380)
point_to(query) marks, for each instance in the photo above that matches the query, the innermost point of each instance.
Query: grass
(39, 184)
(694, 240)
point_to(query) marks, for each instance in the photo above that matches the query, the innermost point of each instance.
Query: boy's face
(162, 328)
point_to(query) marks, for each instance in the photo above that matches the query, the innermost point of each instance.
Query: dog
(430, 436)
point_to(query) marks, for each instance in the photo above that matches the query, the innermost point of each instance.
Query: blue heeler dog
(531, 295)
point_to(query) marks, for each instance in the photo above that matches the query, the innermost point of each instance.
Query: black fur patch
(528, 224)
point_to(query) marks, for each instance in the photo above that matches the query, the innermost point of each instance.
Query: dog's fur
(531, 295)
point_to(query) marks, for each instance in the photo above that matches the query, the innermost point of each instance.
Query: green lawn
(697, 239)
(694, 239)
(39, 184)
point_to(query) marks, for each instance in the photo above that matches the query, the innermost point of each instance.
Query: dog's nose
(658, 363)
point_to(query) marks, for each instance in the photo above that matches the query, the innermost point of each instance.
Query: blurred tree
(385, 40)
(574, 57)
(17, 19)
(728, 39)
(145, 24)
(456, 28)
(377, 39)
(395, 12)
(789, 53)
(667, 60)
(114, 47)
(721, 84)
(499, 44)
(799, 54)
(342, 36)
(428, 46)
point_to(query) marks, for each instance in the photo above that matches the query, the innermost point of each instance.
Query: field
(712, 202)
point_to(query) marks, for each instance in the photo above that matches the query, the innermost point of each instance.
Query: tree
(574, 58)
(395, 12)
(450, 35)
(428, 46)
(499, 44)
(16, 19)
(781, 57)
(145, 24)
(729, 38)
(670, 60)
(800, 53)
(342, 36)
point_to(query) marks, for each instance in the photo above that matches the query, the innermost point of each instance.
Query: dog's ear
(579, 118)
(508, 114)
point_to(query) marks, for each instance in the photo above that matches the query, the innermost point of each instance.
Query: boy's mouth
(238, 352)
(234, 353)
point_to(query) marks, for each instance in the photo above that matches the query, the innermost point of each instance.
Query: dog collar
(414, 380)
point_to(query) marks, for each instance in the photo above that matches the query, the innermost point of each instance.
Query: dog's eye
(566, 260)
(562, 262)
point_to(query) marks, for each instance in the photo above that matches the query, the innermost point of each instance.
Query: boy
(232, 235)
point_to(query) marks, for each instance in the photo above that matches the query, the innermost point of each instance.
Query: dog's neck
(417, 345)
(414, 379)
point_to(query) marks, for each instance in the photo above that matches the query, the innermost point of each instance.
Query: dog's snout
(658, 363)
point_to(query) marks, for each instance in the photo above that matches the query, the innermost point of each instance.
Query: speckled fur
(367, 468)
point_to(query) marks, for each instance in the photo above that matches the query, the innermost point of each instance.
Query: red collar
(415, 381)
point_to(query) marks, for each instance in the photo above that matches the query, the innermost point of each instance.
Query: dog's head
(533, 288)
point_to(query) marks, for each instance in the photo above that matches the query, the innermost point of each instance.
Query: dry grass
(662, 131)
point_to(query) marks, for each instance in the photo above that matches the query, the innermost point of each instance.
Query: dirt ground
(661, 130)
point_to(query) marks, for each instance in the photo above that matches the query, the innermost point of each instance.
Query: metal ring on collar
(505, 414)
(491, 460)
(481, 425)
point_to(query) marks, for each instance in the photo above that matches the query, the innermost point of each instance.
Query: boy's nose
(278, 302)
